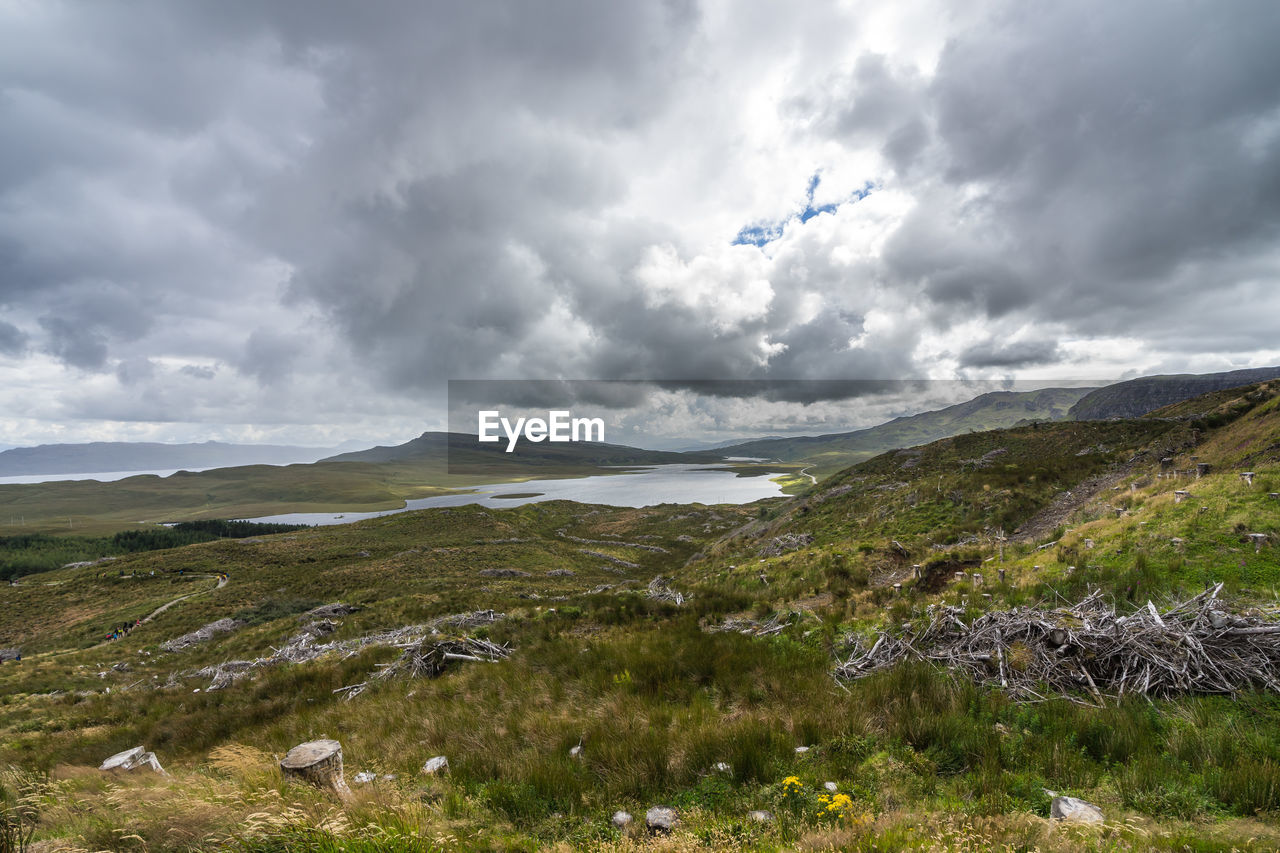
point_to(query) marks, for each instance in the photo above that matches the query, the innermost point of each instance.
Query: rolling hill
(103, 456)
(709, 689)
(993, 410)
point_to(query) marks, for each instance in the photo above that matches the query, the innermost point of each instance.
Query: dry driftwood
(1194, 646)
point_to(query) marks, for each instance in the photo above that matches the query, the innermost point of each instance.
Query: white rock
(801, 750)
(621, 819)
(721, 767)
(365, 777)
(439, 764)
(831, 787)
(1075, 811)
(760, 816)
(661, 819)
(132, 759)
(575, 752)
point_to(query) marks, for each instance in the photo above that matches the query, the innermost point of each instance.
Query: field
(666, 706)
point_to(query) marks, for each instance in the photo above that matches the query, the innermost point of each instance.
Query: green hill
(701, 703)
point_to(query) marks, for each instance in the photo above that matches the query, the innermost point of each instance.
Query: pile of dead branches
(753, 627)
(308, 644)
(784, 543)
(201, 635)
(1194, 646)
(660, 590)
(429, 658)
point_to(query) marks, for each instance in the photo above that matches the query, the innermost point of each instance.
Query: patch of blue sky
(761, 234)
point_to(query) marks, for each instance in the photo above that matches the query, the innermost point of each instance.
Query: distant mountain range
(994, 410)
(464, 451)
(103, 456)
(824, 453)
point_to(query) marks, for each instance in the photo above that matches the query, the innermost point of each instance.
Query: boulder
(621, 819)
(439, 764)
(503, 573)
(133, 759)
(1075, 811)
(318, 763)
(661, 819)
(830, 787)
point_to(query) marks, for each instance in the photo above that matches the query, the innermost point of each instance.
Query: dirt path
(1057, 513)
(222, 581)
(805, 472)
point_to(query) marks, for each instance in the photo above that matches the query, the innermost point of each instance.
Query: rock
(801, 750)
(721, 767)
(1075, 811)
(503, 573)
(661, 819)
(364, 778)
(575, 752)
(830, 787)
(760, 816)
(316, 762)
(10, 654)
(621, 819)
(133, 759)
(439, 764)
(561, 573)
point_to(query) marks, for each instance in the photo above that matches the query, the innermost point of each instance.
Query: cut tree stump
(319, 763)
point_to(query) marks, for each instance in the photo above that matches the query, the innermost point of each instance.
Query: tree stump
(319, 763)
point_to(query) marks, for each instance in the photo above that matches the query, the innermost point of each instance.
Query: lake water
(659, 484)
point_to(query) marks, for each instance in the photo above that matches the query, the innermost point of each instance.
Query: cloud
(1014, 354)
(319, 195)
(13, 341)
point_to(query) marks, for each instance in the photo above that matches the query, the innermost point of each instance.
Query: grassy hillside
(416, 470)
(667, 708)
(1137, 397)
(995, 410)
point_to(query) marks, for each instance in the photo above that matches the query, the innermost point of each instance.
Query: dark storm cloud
(1017, 354)
(13, 341)
(395, 195)
(1089, 160)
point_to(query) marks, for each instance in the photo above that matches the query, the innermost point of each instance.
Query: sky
(293, 222)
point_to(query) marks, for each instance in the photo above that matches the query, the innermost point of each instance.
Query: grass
(659, 703)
